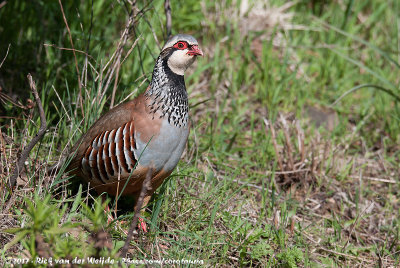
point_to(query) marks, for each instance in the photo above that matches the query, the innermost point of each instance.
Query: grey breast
(164, 150)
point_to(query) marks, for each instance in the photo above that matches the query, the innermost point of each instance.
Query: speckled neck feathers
(167, 93)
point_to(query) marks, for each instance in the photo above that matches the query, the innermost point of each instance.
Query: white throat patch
(179, 61)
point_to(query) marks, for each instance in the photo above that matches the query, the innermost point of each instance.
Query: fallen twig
(32, 143)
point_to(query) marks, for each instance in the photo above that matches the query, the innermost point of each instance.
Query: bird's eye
(181, 45)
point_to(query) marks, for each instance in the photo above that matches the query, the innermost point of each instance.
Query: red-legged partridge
(149, 132)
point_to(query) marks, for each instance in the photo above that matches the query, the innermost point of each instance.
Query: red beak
(195, 51)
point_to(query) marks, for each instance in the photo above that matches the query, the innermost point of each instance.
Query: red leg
(143, 225)
(110, 218)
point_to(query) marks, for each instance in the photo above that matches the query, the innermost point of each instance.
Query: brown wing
(110, 155)
(114, 119)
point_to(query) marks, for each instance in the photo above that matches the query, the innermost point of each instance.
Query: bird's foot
(111, 218)
(142, 225)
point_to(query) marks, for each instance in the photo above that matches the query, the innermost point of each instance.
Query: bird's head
(180, 51)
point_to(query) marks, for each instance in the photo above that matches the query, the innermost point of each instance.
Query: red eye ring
(181, 45)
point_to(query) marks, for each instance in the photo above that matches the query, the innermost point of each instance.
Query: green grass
(235, 198)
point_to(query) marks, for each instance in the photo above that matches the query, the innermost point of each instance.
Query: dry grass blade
(4, 97)
(5, 57)
(359, 215)
(29, 147)
(70, 49)
(134, 90)
(115, 61)
(132, 47)
(3, 159)
(61, 102)
(118, 64)
(138, 207)
(289, 144)
(324, 157)
(313, 161)
(76, 61)
(274, 142)
(300, 138)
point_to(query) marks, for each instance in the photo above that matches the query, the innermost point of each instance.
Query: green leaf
(16, 239)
